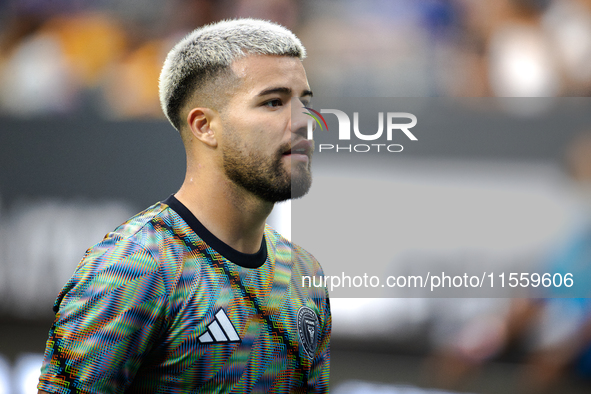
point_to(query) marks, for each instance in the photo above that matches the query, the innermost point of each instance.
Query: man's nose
(299, 119)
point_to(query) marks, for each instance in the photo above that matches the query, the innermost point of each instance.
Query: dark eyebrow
(283, 90)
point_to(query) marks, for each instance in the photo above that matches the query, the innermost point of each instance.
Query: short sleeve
(107, 317)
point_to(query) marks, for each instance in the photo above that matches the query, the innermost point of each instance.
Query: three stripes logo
(220, 330)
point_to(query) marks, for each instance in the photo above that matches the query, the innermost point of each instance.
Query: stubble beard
(266, 177)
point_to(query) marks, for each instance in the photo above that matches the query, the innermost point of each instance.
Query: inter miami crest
(308, 327)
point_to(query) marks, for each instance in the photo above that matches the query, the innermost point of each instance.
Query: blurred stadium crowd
(66, 55)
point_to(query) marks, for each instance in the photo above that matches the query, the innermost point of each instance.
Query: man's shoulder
(134, 228)
(149, 227)
(276, 239)
(151, 242)
(145, 233)
(285, 248)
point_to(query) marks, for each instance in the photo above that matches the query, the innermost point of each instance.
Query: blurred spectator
(89, 43)
(537, 48)
(183, 16)
(462, 341)
(54, 62)
(384, 48)
(561, 339)
(554, 333)
(131, 89)
(54, 55)
(284, 12)
(521, 58)
(35, 77)
(569, 25)
(48, 68)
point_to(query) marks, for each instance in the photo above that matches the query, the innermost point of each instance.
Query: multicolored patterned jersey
(163, 306)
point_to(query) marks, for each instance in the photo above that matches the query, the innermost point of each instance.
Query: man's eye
(273, 103)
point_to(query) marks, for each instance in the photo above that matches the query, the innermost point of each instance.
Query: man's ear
(203, 124)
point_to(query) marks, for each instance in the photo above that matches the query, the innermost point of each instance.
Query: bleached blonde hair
(208, 52)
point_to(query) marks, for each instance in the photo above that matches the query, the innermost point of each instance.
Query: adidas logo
(220, 330)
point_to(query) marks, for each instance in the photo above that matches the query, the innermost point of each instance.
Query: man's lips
(303, 147)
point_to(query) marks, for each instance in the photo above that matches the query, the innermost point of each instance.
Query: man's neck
(229, 212)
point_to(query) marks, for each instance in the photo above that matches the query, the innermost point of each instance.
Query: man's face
(265, 150)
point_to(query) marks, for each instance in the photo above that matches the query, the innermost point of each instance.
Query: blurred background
(84, 145)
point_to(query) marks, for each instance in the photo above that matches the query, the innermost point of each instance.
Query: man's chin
(300, 186)
(299, 168)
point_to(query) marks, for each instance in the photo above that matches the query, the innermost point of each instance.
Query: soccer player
(196, 294)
